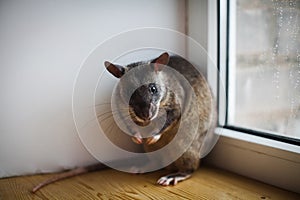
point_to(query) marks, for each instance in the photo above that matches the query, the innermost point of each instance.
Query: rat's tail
(71, 173)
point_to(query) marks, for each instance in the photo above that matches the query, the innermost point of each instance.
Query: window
(258, 58)
(264, 68)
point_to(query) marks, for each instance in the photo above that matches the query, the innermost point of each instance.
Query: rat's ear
(116, 70)
(162, 60)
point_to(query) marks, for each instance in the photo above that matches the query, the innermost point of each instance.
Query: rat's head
(141, 85)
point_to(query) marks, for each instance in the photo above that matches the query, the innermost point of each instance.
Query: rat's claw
(164, 181)
(137, 138)
(153, 139)
(173, 179)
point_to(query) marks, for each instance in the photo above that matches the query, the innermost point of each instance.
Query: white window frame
(267, 160)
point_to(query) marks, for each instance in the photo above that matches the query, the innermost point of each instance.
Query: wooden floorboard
(207, 183)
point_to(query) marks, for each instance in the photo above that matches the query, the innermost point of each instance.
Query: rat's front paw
(152, 140)
(137, 138)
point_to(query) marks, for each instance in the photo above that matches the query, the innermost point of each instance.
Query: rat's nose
(146, 115)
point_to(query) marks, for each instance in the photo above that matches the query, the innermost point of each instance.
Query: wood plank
(207, 183)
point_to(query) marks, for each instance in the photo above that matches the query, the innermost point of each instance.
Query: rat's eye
(152, 88)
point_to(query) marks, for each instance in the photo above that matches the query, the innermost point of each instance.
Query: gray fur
(202, 109)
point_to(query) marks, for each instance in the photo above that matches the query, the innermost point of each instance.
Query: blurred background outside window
(264, 66)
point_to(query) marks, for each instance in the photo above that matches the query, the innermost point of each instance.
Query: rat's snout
(146, 112)
(143, 114)
(142, 105)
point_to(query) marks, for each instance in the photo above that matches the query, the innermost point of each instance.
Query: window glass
(264, 66)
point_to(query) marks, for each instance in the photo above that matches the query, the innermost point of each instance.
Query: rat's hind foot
(173, 179)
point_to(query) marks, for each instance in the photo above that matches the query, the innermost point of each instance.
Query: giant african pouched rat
(153, 94)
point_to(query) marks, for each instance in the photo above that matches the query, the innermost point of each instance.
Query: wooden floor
(207, 183)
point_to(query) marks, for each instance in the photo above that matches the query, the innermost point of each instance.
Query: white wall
(198, 31)
(42, 46)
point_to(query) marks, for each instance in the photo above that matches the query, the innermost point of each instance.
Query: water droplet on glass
(291, 75)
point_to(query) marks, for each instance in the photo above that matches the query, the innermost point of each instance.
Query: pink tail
(71, 173)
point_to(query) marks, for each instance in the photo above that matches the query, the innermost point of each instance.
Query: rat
(152, 94)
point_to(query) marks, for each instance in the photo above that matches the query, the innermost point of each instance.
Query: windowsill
(269, 161)
(258, 140)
